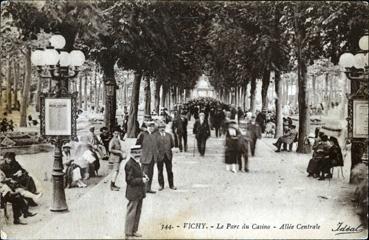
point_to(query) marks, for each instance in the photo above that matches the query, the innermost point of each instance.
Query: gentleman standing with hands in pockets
(135, 192)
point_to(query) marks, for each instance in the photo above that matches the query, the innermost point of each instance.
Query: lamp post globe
(364, 42)
(37, 57)
(57, 41)
(64, 59)
(359, 60)
(347, 60)
(77, 58)
(51, 56)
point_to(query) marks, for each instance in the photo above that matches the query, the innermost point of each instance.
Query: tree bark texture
(304, 113)
(264, 90)
(80, 92)
(147, 91)
(9, 88)
(38, 92)
(85, 100)
(15, 85)
(326, 98)
(252, 93)
(278, 104)
(110, 95)
(26, 89)
(164, 96)
(133, 110)
(157, 96)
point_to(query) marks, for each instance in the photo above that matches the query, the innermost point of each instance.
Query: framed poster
(58, 116)
(360, 119)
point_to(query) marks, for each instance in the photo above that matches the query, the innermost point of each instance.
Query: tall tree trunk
(245, 96)
(80, 95)
(1, 89)
(296, 103)
(286, 92)
(133, 110)
(314, 89)
(304, 113)
(253, 94)
(163, 95)
(147, 91)
(110, 95)
(37, 95)
(125, 89)
(174, 96)
(26, 89)
(264, 90)
(96, 93)
(278, 104)
(98, 97)
(169, 97)
(157, 96)
(9, 88)
(15, 86)
(326, 93)
(85, 93)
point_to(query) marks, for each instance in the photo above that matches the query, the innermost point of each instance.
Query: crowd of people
(240, 129)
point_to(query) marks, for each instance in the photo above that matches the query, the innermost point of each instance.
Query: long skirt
(313, 166)
(231, 156)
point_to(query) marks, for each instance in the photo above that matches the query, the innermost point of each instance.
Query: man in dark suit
(254, 132)
(201, 130)
(179, 129)
(148, 140)
(165, 145)
(135, 192)
(218, 121)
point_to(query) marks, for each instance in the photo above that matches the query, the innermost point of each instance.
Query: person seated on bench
(323, 151)
(335, 153)
(86, 160)
(14, 186)
(14, 170)
(73, 176)
(18, 202)
(288, 138)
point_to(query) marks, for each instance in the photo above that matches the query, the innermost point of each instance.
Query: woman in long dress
(231, 147)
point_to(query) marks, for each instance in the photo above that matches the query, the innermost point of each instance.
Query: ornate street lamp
(58, 106)
(357, 71)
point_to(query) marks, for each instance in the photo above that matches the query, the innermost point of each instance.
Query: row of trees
(171, 43)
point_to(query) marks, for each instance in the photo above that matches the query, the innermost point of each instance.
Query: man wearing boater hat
(135, 192)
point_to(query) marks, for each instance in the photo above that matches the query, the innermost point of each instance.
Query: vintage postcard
(169, 119)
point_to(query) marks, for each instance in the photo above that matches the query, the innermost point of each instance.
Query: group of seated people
(327, 154)
(17, 187)
(81, 165)
(82, 159)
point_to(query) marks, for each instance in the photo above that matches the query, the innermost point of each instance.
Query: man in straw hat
(135, 192)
